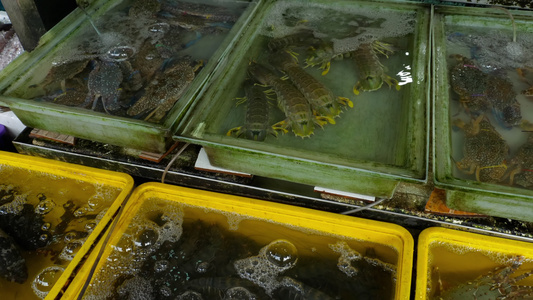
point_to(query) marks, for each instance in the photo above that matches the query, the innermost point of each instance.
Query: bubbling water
(281, 253)
(45, 206)
(43, 283)
(190, 295)
(238, 293)
(136, 288)
(148, 230)
(264, 268)
(347, 256)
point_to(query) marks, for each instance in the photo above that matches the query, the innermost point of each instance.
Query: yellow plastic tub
(463, 264)
(65, 208)
(271, 243)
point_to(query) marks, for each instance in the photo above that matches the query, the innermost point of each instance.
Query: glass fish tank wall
(340, 83)
(171, 246)
(123, 72)
(134, 61)
(484, 99)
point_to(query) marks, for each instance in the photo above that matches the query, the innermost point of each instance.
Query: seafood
(240, 268)
(301, 38)
(293, 289)
(60, 72)
(21, 220)
(104, 82)
(497, 284)
(321, 99)
(165, 89)
(144, 8)
(521, 165)
(322, 54)
(371, 70)
(200, 10)
(291, 101)
(215, 286)
(71, 98)
(470, 83)
(12, 265)
(478, 92)
(502, 99)
(484, 150)
(257, 114)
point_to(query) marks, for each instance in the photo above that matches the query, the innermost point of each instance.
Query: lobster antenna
(512, 20)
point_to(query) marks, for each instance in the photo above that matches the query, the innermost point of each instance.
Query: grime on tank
(297, 40)
(489, 81)
(136, 60)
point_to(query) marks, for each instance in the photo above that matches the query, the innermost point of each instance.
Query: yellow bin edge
(389, 234)
(88, 174)
(457, 237)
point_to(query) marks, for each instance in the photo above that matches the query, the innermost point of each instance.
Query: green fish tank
(482, 129)
(328, 93)
(123, 72)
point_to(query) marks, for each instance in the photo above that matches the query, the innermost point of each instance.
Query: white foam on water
(136, 288)
(238, 293)
(141, 239)
(43, 282)
(233, 220)
(325, 20)
(347, 256)
(71, 249)
(15, 206)
(264, 268)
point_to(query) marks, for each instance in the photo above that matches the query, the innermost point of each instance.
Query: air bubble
(120, 53)
(15, 206)
(80, 212)
(238, 293)
(43, 283)
(94, 201)
(202, 267)
(46, 226)
(70, 250)
(136, 287)
(89, 226)
(43, 237)
(161, 265)
(282, 253)
(189, 295)
(264, 269)
(165, 291)
(347, 256)
(146, 238)
(161, 27)
(70, 236)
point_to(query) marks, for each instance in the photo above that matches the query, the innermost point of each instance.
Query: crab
(63, 71)
(470, 83)
(104, 82)
(502, 98)
(166, 88)
(484, 150)
(521, 165)
(496, 284)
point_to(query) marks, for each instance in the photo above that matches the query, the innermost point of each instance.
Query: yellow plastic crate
(86, 198)
(465, 262)
(314, 234)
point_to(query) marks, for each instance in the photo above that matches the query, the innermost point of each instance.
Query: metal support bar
(26, 21)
